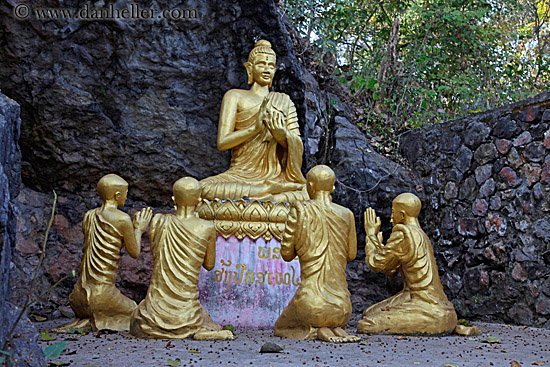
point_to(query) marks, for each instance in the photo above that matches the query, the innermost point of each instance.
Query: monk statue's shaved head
(187, 191)
(409, 203)
(109, 184)
(322, 177)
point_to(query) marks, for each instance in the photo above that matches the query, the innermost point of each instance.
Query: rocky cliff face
(10, 180)
(23, 351)
(487, 183)
(141, 99)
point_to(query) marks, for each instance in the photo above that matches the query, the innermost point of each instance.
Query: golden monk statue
(322, 234)
(261, 129)
(180, 244)
(95, 299)
(421, 307)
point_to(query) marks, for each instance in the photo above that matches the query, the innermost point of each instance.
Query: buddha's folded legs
(267, 190)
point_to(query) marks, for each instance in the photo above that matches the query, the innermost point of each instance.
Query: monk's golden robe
(422, 306)
(319, 235)
(261, 158)
(95, 295)
(171, 308)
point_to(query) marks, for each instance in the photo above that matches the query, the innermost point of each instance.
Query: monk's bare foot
(339, 332)
(364, 326)
(213, 335)
(336, 335)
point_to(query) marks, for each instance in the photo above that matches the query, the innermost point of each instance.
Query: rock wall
(487, 182)
(10, 181)
(141, 99)
(23, 350)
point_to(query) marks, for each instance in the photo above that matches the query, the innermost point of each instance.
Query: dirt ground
(525, 345)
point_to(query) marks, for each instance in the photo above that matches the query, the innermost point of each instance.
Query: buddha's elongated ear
(271, 81)
(248, 65)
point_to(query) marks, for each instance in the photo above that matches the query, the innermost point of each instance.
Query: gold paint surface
(261, 129)
(322, 235)
(243, 218)
(421, 307)
(180, 243)
(106, 230)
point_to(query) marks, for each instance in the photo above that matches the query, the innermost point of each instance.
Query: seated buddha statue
(261, 129)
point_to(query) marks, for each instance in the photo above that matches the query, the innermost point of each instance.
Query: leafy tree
(409, 62)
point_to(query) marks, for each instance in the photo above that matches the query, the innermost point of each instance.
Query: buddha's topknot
(261, 47)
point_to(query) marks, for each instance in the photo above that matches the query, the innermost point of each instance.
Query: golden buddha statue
(261, 129)
(421, 307)
(322, 234)
(95, 299)
(180, 244)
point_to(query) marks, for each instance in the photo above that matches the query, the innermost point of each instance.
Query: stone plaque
(250, 283)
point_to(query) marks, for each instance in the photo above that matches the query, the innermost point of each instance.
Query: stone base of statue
(250, 284)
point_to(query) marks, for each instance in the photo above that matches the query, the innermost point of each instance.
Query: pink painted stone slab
(250, 283)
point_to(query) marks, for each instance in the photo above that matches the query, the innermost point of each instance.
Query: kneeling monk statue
(261, 129)
(180, 244)
(421, 307)
(95, 298)
(322, 234)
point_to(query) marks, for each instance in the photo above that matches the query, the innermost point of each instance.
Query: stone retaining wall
(486, 180)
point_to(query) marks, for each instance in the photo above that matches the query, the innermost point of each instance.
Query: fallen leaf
(174, 362)
(169, 345)
(491, 339)
(194, 351)
(364, 343)
(450, 365)
(416, 362)
(228, 327)
(46, 336)
(538, 363)
(515, 364)
(401, 337)
(59, 364)
(95, 357)
(54, 350)
(39, 318)
(524, 327)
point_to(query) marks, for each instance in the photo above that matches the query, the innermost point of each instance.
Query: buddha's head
(261, 64)
(320, 178)
(187, 192)
(113, 187)
(405, 205)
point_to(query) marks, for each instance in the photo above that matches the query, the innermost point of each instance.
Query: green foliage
(5, 354)
(229, 327)
(54, 350)
(443, 58)
(46, 336)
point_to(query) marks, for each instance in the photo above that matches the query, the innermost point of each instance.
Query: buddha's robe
(422, 306)
(95, 296)
(321, 236)
(171, 308)
(261, 158)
